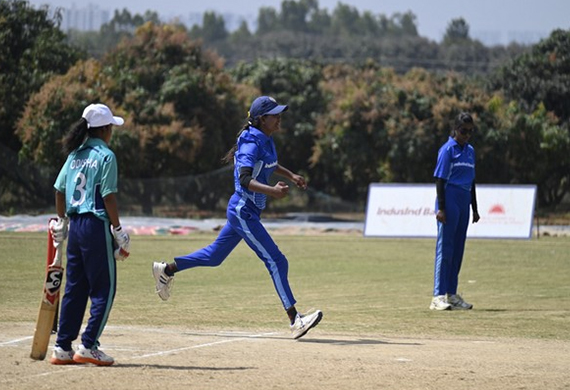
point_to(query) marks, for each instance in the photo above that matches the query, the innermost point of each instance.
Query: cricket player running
(85, 199)
(255, 159)
(455, 186)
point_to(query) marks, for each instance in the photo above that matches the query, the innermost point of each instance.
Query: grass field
(519, 288)
(375, 295)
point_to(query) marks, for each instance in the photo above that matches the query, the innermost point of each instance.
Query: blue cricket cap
(265, 105)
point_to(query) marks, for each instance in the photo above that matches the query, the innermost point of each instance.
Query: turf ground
(224, 327)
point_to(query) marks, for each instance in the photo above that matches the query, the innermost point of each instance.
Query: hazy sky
(500, 21)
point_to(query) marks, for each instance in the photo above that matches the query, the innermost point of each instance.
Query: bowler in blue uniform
(255, 160)
(455, 186)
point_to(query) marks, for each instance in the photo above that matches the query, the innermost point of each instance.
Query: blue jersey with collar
(456, 164)
(255, 150)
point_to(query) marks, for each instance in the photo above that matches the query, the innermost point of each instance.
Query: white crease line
(162, 353)
(15, 341)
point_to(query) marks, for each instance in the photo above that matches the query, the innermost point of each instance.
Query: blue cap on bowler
(265, 105)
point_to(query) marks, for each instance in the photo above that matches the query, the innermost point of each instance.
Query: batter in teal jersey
(255, 160)
(455, 185)
(85, 199)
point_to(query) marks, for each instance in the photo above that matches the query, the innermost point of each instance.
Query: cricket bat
(50, 300)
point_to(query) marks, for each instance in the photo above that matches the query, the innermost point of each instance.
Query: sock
(170, 269)
(292, 313)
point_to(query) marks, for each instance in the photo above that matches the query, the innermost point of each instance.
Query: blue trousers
(244, 223)
(90, 274)
(450, 243)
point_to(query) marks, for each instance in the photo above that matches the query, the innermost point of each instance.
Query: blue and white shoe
(457, 303)
(304, 323)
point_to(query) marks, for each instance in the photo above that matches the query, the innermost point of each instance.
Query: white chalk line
(15, 341)
(159, 353)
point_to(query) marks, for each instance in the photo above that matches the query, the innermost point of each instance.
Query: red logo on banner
(497, 209)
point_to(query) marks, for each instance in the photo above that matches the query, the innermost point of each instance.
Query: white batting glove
(58, 229)
(123, 242)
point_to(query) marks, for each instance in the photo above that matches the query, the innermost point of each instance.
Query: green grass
(363, 285)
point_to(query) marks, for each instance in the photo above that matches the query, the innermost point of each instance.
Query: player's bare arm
(279, 190)
(286, 173)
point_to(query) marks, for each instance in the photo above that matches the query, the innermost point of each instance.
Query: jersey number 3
(80, 181)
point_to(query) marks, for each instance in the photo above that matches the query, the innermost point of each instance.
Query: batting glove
(59, 229)
(123, 242)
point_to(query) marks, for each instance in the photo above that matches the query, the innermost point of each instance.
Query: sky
(491, 21)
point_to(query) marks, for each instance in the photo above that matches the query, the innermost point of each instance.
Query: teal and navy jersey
(88, 175)
(255, 150)
(456, 164)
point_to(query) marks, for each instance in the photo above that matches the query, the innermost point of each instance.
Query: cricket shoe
(92, 355)
(439, 303)
(304, 323)
(163, 281)
(61, 356)
(457, 303)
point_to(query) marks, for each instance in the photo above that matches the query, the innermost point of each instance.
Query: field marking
(160, 353)
(16, 341)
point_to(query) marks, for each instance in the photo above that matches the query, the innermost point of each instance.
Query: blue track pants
(90, 274)
(450, 243)
(244, 223)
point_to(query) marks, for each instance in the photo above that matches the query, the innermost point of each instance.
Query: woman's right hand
(280, 190)
(440, 216)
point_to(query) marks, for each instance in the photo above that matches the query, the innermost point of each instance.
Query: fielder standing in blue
(455, 186)
(85, 200)
(255, 160)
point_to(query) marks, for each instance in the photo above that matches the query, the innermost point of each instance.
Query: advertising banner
(408, 210)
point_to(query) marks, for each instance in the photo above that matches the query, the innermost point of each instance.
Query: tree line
(300, 29)
(349, 123)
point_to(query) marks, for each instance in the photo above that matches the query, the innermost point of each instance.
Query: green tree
(457, 31)
(540, 76)
(346, 20)
(213, 28)
(242, 34)
(267, 20)
(180, 108)
(122, 25)
(32, 49)
(297, 84)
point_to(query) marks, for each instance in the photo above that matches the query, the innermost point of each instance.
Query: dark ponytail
(75, 137)
(460, 120)
(229, 156)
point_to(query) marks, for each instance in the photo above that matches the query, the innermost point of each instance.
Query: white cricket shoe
(303, 323)
(457, 303)
(92, 355)
(163, 281)
(61, 356)
(439, 303)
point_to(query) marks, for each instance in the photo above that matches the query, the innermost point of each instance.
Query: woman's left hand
(299, 181)
(476, 217)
